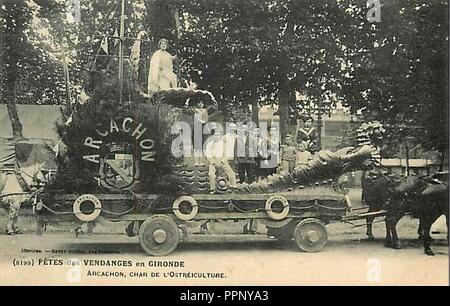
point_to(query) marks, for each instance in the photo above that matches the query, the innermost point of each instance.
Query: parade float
(116, 164)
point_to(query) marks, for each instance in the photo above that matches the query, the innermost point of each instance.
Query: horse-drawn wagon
(300, 214)
(293, 206)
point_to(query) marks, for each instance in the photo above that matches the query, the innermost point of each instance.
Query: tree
(15, 18)
(99, 26)
(398, 70)
(29, 74)
(430, 75)
(254, 52)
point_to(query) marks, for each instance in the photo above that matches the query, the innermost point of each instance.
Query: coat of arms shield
(119, 168)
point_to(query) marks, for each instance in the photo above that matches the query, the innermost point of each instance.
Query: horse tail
(2, 182)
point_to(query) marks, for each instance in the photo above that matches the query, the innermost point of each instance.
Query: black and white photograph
(224, 143)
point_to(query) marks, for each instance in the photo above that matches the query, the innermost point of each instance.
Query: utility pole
(319, 125)
(121, 47)
(66, 78)
(319, 116)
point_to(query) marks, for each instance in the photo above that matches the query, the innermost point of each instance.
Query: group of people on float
(254, 154)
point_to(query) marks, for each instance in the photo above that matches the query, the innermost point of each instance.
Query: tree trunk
(255, 109)
(283, 106)
(442, 161)
(12, 112)
(407, 157)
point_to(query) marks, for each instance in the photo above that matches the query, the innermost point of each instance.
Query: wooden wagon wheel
(159, 235)
(310, 235)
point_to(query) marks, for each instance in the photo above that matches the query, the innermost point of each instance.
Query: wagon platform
(300, 215)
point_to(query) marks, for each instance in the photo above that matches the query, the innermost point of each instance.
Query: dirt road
(107, 258)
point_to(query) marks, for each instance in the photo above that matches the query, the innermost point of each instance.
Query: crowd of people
(252, 154)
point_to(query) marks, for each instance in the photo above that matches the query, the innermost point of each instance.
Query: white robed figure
(161, 74)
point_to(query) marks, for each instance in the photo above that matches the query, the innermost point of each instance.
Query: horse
(425, 198)
(433, 205)
(16, 188)
(374, 195)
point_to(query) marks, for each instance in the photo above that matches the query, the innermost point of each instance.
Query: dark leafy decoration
(76, 174)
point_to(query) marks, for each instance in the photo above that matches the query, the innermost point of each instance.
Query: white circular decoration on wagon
(87, 217)
(185, 216)
(277, 215)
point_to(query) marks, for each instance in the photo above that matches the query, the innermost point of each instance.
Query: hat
(162, 40)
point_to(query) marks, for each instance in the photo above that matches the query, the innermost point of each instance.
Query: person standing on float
(309, 136)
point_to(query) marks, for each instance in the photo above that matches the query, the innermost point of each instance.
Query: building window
(335, 128)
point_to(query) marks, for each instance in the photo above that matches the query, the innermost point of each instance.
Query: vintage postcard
(224, 142)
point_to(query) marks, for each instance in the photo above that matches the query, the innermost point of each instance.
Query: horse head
(15, 186)
(32, 175)
(408, 186)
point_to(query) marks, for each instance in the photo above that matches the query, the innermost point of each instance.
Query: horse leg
(369, 232)
(427, 243)
(426, 239)
(395, 242)
(419, 230)
(388, 240)
(16, 228)
(446, 221)
(13, 214)
(10, 223)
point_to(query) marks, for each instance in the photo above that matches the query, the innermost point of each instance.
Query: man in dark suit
(245, 153)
